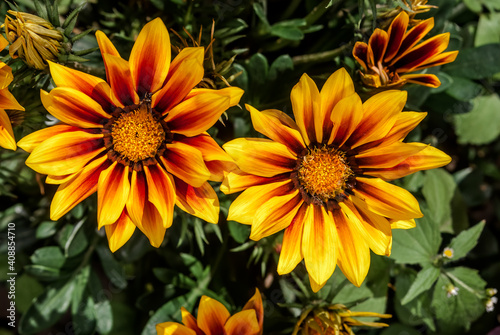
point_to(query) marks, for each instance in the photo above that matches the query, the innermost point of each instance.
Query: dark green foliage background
(69, 282)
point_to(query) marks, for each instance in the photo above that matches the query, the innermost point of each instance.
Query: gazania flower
(411, 7)
(335, 319)
(214, 319)
(138, 139)
(391, 55)
(7, 102)
(323, 177)
(33, 39)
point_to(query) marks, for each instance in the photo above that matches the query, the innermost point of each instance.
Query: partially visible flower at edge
(139, 141)
(214, 319)
(411, 7)
(7, 102)
(323, 177)
(334, 320)
(391, 55)
(33, 39)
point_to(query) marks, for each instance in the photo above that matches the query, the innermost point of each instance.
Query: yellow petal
(186, 163)
(291, 249)
(200, 201)
(119, 232)
(112, 193)
(212, 315)
(161, 192)
(31, 141)
(345, 118)
(307, 110)
(7, 140)
(242, 323)
(172, 328)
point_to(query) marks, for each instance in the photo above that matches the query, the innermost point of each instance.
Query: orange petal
(58, 180)
(291, 249)
(6, 76)
(212, 315)
(112, 193)
(386, 199)
(319, 244)
(428, 158)
(150, 57)
(237, 181)
(189, 321)
(119, 232)
(260, 156)
(243, 208)
(338, 86)
(74, 108)
(65, 153)
(199, 112)
(186, 163)
(73, 191)
(274, 124)
(387, 156)
(378, 43)
(353, 251)
(3, 42)
(7, 139)
(306, 108)
(360, 53)
(31, 141)
(379, 115)
(405, 122)
(242, 323)
(422, 53)
(186, 71)
(275, 214)
(396, 33)
(375, 229)
(255, 303)
(345, 117)
(105, 45)
(440, 59)
(200, 201)
(173, 328)
(412, 37)
(161, 192)
(94, 87)
(119, 77)
(429, 80)
(217, 160)
(8, 101)
(152, 224)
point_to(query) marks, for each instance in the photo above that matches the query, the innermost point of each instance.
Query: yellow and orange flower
(323, 177)
(391, 55)
(214, 319)
(138, 139)
(7, 101)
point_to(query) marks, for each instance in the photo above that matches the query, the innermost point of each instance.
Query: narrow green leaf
(466, 241)
(424, 281)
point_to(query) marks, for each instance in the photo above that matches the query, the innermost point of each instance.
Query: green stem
(317, 12)
(320, 57)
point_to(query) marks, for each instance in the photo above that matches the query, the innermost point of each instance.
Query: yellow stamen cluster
(323, 172)
(137, 135)
(32, 39)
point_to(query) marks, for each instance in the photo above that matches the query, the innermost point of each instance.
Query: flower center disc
(323, 173)
(137, 135)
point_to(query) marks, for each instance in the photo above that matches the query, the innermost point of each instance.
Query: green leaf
(47, 309)
(466, 241)
(114, 271)
(476, 63)
(474, 5)
(399, 329)
(464, 89)
(42, 272)
(280, 65)
(104, 315)
(238, 231)
(287, 32)
(417, 245)
(438, 190)
(461, 309)
(171, 311)
(482, 124)
(84, 317)
(488, 29)
(259, 10)
(72, 239)
(424, 281)
(31, 288)
(51, 257)
(46, 229)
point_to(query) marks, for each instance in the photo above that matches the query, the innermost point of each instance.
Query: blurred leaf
(464, 89)
(482, 124)
(289, 30)
(399, 329)
(174, 278)
(438, 190)
(259, 10)
(419, 244)
(42, 272)
(48, 308)
(84, 317)
(238, 231)
(414, 181)
(466, 241)
(424, 281)
(31, 288)
(488, 29)
(476, 63)
(114, 271)
(461, 309)
(72, 239)
(46, 229)
(280, 64)
(51, 257)
(104, 315)
(199, 235)
(171, 311)
(446, 81)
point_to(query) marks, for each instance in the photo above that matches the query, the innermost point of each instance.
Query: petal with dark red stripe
(429, 80)
(118, 73)
(291, 249)
(421, 53)
(378, 43)
(200, 201)
(396, 33)
(119, 232)
(237, 181)
(306, 106)
(161, 192)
